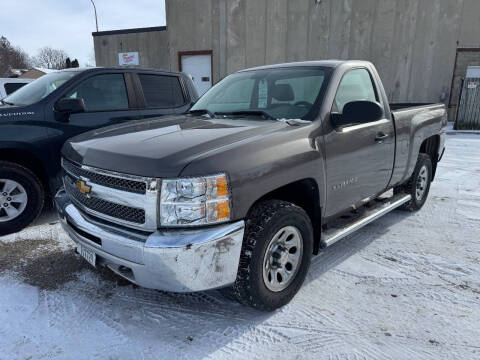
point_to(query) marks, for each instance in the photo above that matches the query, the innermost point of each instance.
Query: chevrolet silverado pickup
(270, 166)
(38, 118)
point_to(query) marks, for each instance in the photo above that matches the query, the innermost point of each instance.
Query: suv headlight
(194, 201)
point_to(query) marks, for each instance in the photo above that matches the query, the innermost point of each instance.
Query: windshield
(281, 93)
(40, 88)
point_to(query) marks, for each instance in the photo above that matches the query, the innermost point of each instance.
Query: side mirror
(358, 112)
(70, 106)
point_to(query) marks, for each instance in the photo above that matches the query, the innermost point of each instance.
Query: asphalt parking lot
(404, 287)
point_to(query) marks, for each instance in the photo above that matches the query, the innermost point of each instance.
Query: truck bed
(415, 118)
(404, 106)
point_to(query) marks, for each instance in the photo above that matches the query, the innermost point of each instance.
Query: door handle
(381, 137)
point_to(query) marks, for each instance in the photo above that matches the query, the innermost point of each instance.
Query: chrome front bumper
(170, 260)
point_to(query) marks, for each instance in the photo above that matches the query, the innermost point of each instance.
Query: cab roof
(116, 68)
(323, 63)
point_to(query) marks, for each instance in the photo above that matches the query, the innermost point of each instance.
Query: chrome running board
(339, 231)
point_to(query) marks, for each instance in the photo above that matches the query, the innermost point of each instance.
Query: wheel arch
(27, 159)
(431, 147)
(305, 194)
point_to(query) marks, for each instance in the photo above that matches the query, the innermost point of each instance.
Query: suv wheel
(419, 184)
(21, 197)
(275, 257)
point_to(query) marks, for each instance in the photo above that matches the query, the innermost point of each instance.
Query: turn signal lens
(223, 210)
(218, 211)
(222, 189)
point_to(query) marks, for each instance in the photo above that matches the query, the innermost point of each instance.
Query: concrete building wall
(150, 43)
(412, 42)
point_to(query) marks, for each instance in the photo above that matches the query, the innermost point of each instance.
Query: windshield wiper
(295, 122)
(6, 102)
(202, 112)
(261, 113)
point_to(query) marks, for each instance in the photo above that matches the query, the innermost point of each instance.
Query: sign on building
(472, 85)
(128, 58)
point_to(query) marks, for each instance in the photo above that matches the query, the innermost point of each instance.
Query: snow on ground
(405, 287)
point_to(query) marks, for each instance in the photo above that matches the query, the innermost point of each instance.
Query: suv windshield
(281, 93)
(40, 88)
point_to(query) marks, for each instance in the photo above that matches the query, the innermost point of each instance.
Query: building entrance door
(198, 64)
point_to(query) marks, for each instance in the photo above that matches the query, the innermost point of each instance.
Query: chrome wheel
(13, 199)
(422, 183)
(282, 258)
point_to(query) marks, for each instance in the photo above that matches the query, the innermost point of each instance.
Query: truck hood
(161, 147)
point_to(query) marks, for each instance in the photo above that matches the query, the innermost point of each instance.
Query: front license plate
(87, 255)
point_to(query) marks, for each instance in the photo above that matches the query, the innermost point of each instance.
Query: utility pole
(95, 9)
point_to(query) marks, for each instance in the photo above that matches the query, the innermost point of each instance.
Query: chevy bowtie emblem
(83, 187)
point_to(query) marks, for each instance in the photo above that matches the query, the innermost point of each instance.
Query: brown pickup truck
(240, 192)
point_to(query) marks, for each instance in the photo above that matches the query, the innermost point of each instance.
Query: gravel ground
(404, 287)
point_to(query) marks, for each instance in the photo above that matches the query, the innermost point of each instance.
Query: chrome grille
(122, 212)
(104, 194)
(137, 187)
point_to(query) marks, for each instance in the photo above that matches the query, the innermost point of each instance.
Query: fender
(260, 165)
(27, 155)
(412, 129)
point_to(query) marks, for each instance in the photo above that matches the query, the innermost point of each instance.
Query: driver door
(359, 157)
(106, 102)
(108, 99)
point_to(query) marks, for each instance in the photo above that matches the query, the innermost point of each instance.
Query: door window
(161, 91)
(356, 85)
(102, 93)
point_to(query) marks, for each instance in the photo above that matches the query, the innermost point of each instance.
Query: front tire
(418, 186)
(275, 256)
(21, 197)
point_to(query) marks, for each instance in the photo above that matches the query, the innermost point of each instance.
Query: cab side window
(102, 93)
(161, 91)
(356, 85)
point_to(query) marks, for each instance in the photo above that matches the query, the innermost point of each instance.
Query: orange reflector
(223, 210)
(222, 189)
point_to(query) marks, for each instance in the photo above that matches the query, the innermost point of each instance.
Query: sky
(68, 24)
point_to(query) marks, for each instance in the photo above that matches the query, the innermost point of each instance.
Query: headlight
(194, 201)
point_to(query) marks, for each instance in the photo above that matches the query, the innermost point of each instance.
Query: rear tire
(21, 184)
(418, 186)
(275, 256)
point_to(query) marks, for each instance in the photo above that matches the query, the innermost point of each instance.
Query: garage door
(199, 66)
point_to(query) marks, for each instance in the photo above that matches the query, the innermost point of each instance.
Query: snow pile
(405, 287)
